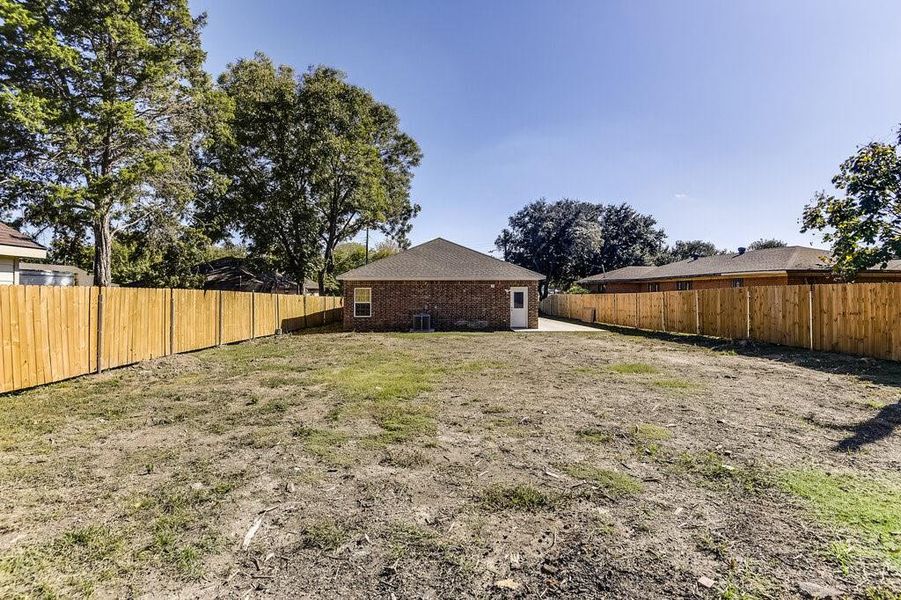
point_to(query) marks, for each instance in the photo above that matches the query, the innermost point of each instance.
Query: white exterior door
(519, 307)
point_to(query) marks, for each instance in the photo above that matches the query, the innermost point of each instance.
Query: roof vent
(742, 250)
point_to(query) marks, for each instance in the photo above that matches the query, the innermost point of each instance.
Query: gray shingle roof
(12, 237)
(790, 258)
(440, 260)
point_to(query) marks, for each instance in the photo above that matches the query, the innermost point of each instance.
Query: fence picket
(859, 318)
(52, 333)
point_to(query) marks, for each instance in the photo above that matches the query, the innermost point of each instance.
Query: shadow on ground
(880, 426)
(881, 372)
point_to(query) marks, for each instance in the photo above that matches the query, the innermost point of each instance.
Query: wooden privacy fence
(50, 333)
(857, 318)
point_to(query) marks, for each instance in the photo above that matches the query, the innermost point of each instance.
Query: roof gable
(440, 260)
(17, 239)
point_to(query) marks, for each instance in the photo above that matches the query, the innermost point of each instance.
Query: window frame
(653, 287)
(357, 303)
(522, 303)
(683, 286)
(738, 282)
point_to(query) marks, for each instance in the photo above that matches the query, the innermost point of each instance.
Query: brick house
(791, 265)
(442, 286)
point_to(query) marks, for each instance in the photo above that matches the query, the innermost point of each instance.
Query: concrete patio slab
(548, 324)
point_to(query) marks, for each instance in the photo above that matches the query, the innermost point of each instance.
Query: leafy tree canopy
(101, 110)
(570, 239)
(313, 161)
(862, 220)
(685, 249)
(763, 243)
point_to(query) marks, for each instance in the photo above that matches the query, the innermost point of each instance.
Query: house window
(518, 299)
(739, 282)
(653, 287)
(362, 302)
(683, 285)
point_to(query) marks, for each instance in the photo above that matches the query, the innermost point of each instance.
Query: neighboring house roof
(16, 243)
(618, 274)
(238, 274)
(789, 258)
(440, 260)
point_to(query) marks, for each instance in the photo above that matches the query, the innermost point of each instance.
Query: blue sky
(720, 118)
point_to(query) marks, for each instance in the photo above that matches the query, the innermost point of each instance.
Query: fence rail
(50, 333)
(858, 318)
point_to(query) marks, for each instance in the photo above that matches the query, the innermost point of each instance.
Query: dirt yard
(596, 465)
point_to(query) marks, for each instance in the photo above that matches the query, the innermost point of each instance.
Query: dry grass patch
(609, 482)
(517, 497)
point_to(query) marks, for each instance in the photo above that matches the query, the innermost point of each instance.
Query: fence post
(253, 315)
(100, 297)
(220, 318)
(278, 313)
(637, 312)
(304, 311)
(663, 311)
(810, 314)
(171, 321)
(747, 313)
(697, 314)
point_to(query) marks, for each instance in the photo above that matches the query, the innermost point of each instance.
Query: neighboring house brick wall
(453, 305)
(696, 284)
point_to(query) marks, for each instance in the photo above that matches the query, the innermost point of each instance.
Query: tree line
(120, 147)
(571, 239)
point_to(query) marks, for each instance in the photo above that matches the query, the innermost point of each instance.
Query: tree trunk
(328, 267)
(103, 240)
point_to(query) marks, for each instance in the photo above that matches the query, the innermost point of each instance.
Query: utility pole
(367, 245)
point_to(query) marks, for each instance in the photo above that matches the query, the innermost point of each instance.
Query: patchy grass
(72, 564)
(177, 516)
(633, 369)
(516, 497)
(594, 436)
(866, 507)
(326, 534)
(321, 443)
(381, 376)
(406, 458)
(381, 449)
(612, 483)
(715, 468)
(648, 432)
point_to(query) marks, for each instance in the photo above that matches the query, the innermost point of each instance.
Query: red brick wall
(453, 305)
(723, 282)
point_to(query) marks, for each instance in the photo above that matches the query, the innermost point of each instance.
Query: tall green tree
(363, 163)
(264, 153)
(862, 220)
(685, 249)
(313, 161)
(765, 243)
(569, 239)
(101, 102)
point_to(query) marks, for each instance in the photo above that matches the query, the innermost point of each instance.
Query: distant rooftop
(440, 260)
(14, 237)
(789, 258)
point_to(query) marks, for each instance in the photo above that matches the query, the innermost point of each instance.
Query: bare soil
(609, 464)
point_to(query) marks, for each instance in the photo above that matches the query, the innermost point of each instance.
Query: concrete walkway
(546, 324)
